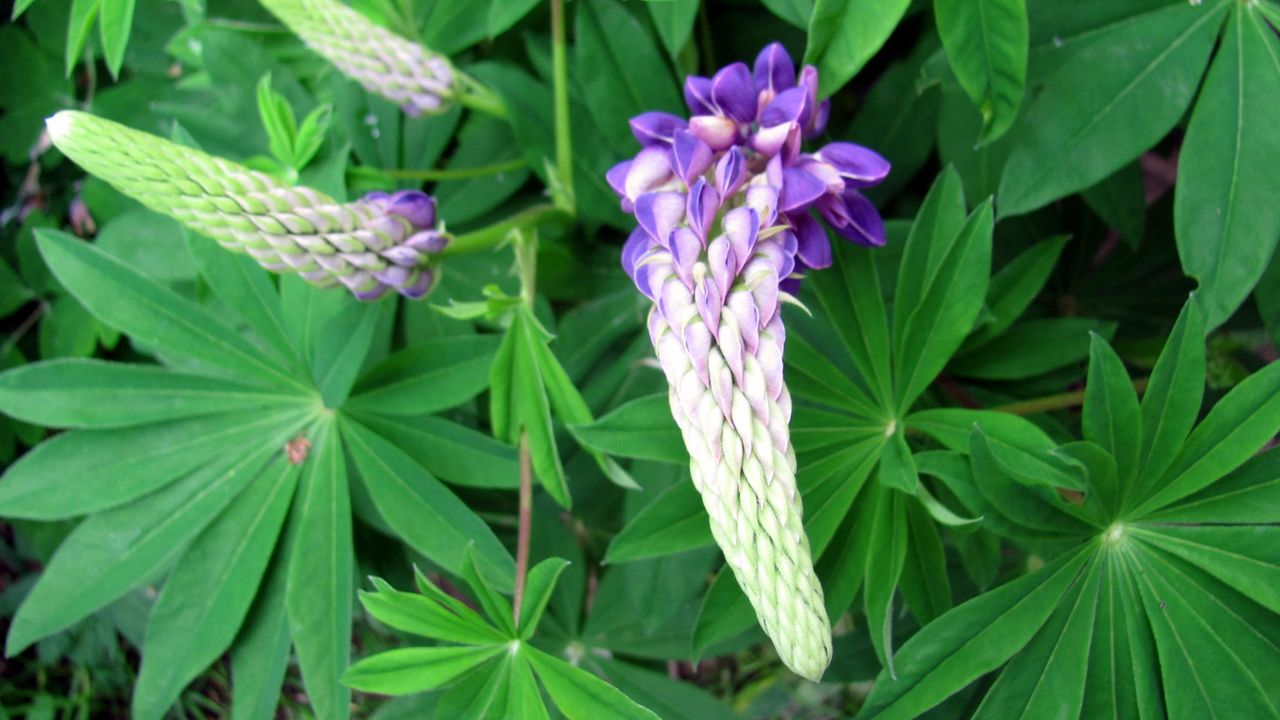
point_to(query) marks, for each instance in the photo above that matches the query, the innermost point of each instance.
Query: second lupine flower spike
(723, 203)
(386, 64)
(378, 243)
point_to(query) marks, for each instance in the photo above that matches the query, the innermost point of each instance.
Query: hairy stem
(492, 236)
(526, 524)
(1061, 401)
(560, 86)
(452, 173)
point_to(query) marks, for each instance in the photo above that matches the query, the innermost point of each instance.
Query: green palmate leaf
(1032, 348)
(884, 567)
(335, 373)
(523, 692)
(1240, 424)
(813, 376)
(1047, 677)
(114, 551)
(1172, 399)
(411, 670)
(579, 694)
(1227, 169)
(208, 594)
(843, 567)
(924, 584)
(897, 469)
(115, 25)
(845, 34)
(1120, 200)
(79, 23)
(426, 616)
(952, 426)
(320, 585)
(673, 20)
(1014, 286)
(1115, 97)
(83, 471)
(1248, 495)
(75, 393)
(1111, 417)
(537, 593)
(126, 300)
(1246, 558)
(503, 15)
(933, 235)
(674, 522)
(496, 607)
(1123, 680)
(428, 377)
(850, 297)
(986, 44)
(518, 402)
(454, 453)
(481, 692)
(641, 428)
(1024, 452)
(670, 699)
(246, 288)
(970, 640)
(610, 43)
(421, 510)
(938, 319)
(261, 654)
(1036, 510)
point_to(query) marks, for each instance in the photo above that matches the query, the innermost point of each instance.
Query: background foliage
(1032, 431)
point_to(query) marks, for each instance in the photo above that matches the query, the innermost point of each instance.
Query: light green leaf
(845, 34)
(79, 23)
(642, 428)
(114, 551)
(1113, 99)
(939, 317)
(970, 641)
(924, 584)
(427, 377)
(986, 43)
(319, 589)
(1171, 402)
(425, 616)
(207, 596)
(1111, 416)
(83, 393)
(1014, 286)
(1246, 558)
(1227, 169)
(430, 518)
(674, 522)
(126, 300)
(452, 452)
(581, 695)
(412, 670)
(261, 654)
(115, 25)
(1250, 494)
(849, 294)
(538, 587)
(673, 20)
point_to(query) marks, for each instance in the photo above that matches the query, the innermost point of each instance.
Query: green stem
(471, 94)
(563, 194)
(494, 235)
(451, 173)
(526, 525)
(1061, 401)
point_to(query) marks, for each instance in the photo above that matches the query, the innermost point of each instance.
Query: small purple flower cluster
(747, 126)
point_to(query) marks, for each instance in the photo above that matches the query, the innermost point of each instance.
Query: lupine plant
(676, 359)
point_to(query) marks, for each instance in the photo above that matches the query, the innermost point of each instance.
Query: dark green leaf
(674, 21)
(1032, 348)
(581, 695)
(425, 616)
(1227, 169)
(454, 453)
(427, 378)
(1015, 286)
(540, 583)
(674, 522)
(986, 43)
(1110, 416)
(844, 34)
(642, 428)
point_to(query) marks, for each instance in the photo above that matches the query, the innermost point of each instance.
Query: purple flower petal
(858, 166)
(741, 227)
(813, 249)
(656, 127)
(708, 299)
(819, 121)
(733, 93)
(704, 203)
(722, 263)
(697, 95)
(853, 217)
(720, 133)
(692, 156)
(617, 177)
(651, 168)
(774, 71)
(635, 246)
(428, 241)
(790, 106)
(730, 172)
(659, 214)
(415, 206)
(686, 248)
(799, 190)
(770, 141)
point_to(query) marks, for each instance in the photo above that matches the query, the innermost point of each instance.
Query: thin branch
(1062, 401)
(454, 173)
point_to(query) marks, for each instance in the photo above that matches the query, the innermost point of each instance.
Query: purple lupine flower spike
(724, 209)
